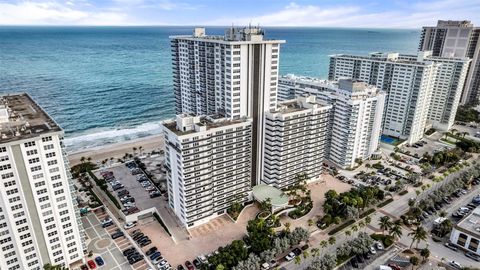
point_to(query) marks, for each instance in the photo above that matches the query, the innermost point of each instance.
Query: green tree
(419, 234)
(425, 253)
(414, 261)
(332, 240)
(395, 230)
(259, 235)
(384, 223)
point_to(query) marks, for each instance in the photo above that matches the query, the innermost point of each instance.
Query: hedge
(104, 188)
(403, 192)
(113, 199)
(157, 217)
(366, 213)
(386, 240)
(382, 204)
(341, 226)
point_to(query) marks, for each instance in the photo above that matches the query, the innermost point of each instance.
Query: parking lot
(101, 243)
(141, 196)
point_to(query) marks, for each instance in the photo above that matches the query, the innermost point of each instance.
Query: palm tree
(425, 253)
(287, 226)
(305, 254)
(419, 234)
(310, 222)
(298, 260)
(396, 230)
(414, 261)
(361, 224)
(348, 233)
(368, 220)
(384, 223)
(140, 149)
(315, 252)
(332, 240)
(82, 159)
(134, 149)
(355, 228)
(323, 245)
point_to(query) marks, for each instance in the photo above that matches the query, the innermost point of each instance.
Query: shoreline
(117, 150)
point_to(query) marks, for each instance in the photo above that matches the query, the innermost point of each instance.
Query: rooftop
(187, 124)
(24, 119)
(471, 223)
(298, 104)
(232, 34)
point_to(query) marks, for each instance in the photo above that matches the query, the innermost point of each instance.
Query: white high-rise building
(409, 85)
(234, 75)
(209, 164)
(356, 115)
(296, 141)
(456, 39)
(39, 219)
(447, 90)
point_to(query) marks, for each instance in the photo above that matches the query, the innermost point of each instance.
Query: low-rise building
(466, 233)
(296, 141)
(209, 165)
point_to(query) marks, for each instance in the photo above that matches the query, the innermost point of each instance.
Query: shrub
(366, 213)
(403, 192)
(382, 204)
(341, 227)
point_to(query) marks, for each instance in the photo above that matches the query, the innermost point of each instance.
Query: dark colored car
(99, 261)
(84, 267)
(197, 263)
(297, 251)
(180, 267)
(152, 250)
(128, 250)
(189, 265)
(353, 263)
(155, 255)
(117, 234)
(145, 243)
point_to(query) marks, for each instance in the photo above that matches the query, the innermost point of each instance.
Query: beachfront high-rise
(355, 117)
(234, 75)
(296, 141)
(456, 39)
(39, 219)
(409, 86)
(208, 163)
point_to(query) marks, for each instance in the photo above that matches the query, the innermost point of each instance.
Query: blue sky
(328, 13)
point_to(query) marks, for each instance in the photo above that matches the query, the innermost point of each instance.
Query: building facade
(234, 75)
(408, 83)
(456, 39)
(466, 233)
(356, 115)
(296, 141)
(208, 165)
(39, 219)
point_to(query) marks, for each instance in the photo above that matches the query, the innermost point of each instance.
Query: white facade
(296, 141)
(456, 39)
(409, 85)
(447, 89)
(466, 233)
(234, 75)
(209, 163)
(356, 115)
(39, 219)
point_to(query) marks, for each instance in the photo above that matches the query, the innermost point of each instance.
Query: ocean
(110, 84)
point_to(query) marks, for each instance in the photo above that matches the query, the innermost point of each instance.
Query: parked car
(379, 246)
(129, 225)
(99, 261)
(91, 264)
(152, 250)
(290, 256)
(189, 265)
(197, 263)
(451, 246)
(84, 267)
(297, 251)
(455, 264)
(372, 250)
(117, 234)
(180, 267)
(473, 256)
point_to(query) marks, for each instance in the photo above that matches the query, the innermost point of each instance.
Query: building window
(462, 239)
(473, 245)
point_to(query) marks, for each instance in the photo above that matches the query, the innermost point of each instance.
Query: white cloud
(55, 13)
(360, 15)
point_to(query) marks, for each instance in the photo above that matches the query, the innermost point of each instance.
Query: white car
(455, 264)
(106, 220)
(379, 246)
(372, 250)
(290, 256)
(129, 225)
(159, 260)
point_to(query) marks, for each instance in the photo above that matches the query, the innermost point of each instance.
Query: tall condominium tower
(409, 86)
(356, 115)
(447, 89)
(39, 219)
(233, 75)
(296, 140)
(208, 163)
(456, 39)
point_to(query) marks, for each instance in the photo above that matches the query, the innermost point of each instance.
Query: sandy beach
(118, 150)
